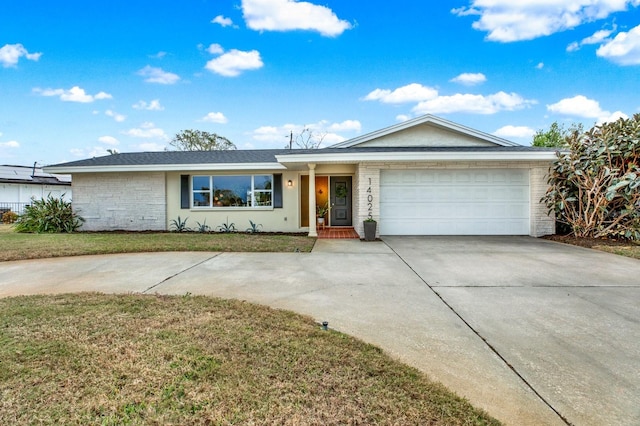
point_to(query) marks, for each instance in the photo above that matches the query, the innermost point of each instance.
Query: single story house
(20, 184)
(425, 176)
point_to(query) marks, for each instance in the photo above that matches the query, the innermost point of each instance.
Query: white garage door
(454, 202)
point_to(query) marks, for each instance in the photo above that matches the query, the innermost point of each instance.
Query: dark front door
(340, 201)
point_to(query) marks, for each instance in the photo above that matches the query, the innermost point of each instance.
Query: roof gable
(426, 131)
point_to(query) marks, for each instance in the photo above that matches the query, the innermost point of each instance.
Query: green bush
(48, 215)
(594, 187)
(9, 217)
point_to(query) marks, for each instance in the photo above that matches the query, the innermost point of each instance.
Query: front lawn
(140, 359)
(16, 246)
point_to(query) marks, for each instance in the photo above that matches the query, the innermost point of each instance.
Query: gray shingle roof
(179, 157)
(262, 155)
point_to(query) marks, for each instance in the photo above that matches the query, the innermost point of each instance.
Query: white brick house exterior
(146, 191)
(121, 201)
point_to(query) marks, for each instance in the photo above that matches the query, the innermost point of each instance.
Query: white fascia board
(357, 157)
(166, 168)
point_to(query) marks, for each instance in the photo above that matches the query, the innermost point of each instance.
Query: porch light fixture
(289, 182)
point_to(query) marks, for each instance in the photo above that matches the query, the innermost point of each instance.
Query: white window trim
(230, 208)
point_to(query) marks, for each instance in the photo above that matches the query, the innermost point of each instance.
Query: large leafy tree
(198, 140)
(594, 186)
(556, 136)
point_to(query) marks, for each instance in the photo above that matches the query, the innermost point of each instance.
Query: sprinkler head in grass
(325, 325)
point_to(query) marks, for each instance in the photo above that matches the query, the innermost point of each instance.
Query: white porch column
(312, 200)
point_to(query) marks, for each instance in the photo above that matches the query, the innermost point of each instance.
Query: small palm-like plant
(48, 216)
(203, 228)
(179, 225)
(254, 228)
(227, 227)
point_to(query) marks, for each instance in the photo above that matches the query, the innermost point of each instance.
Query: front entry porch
(326, 205)
(338, 233)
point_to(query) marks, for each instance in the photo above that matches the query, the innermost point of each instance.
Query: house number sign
(369, 202)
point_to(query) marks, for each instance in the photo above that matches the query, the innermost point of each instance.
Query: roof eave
(356, 157)
(165, 167)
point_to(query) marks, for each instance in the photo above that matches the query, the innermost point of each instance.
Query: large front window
(233, 191)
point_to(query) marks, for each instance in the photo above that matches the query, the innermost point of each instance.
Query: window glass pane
(201, 183)
(201, 199)
(263, 198)
(231, 191)
(262, 182)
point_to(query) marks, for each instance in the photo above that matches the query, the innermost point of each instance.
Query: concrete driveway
(532, 331)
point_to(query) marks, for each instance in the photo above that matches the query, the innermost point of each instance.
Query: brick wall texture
(120, 201)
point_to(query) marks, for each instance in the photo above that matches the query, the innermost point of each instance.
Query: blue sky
(78, 78)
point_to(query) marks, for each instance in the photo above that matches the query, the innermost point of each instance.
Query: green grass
(631, 250)
(16, 246)
(140, 359)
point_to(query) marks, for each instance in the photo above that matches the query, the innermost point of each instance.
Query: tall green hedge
(594, 186)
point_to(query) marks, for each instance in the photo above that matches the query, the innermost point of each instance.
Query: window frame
(250, 201)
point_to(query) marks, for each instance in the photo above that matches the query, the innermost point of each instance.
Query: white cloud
(509, 20)
(118, 117)
(215, 117)
(232, 63)
(10, 54)
(469, 79)
(158, 55)
(474, 104)
(345, 126)
(221, 20)
(215, 49)
(624, 49)
(573, 46)
(147, 130)
(402, 117)
(271, 133)
(581, 106)
(410, 93)
(154, 105)
(287, 15)
(150, 147)
(157, 75)
(95, 151)
(278, 136)
(10, 144)
(75, 94)
(596, 38)
(540, 65)
(515, 132)
(108, 140)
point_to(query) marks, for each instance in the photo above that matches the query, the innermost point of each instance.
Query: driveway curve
(532, 331)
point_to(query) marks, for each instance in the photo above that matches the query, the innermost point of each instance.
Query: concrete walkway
(469, 312)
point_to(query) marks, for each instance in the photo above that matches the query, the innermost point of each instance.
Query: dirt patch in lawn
(620, 247)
